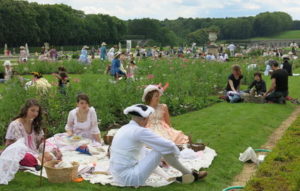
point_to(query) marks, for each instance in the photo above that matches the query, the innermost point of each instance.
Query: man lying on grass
(127, 165)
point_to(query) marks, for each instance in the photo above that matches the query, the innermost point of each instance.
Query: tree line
(23, 22)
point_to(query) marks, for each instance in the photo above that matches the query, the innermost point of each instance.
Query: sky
(172, 9)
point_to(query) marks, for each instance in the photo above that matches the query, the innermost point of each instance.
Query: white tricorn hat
(139, 110)
(151, 88)
(7, 63)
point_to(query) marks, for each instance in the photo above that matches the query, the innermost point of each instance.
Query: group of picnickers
(278, 91)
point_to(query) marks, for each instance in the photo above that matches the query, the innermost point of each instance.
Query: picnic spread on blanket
(94, 164)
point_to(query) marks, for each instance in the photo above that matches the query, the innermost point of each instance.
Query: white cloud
(161, 9)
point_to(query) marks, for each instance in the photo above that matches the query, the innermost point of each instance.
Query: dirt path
(250, 169)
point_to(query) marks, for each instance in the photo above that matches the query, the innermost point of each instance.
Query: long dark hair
(37, 122)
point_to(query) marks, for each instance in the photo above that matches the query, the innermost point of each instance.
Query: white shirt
(129, 143)
(85, 129)
(231, 47)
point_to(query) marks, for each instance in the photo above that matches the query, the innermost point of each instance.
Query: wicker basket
(60, 175)
(197, 146)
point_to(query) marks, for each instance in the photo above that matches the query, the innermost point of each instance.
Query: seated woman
(233, 84)
(258, 86)
(116, 66)
(27, 125)
(159, 121)
(41, 84)
(82, 120)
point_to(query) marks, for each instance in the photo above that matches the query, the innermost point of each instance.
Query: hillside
(292, 34)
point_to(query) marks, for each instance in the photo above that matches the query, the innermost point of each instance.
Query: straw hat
(103, 44)
(7, 63)
(139, 110)
(37, 74)
(290, 53)
(22, 47)
(85, 47)
(118, 54)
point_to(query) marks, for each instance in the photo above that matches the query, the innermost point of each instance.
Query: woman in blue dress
(84, 55)
(103, 51)
(116, 66)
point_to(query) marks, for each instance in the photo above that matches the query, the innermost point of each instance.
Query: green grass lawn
(292, 34)
(227, 128)
(280, 170)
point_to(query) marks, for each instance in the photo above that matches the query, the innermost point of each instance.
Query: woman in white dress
(82, 120)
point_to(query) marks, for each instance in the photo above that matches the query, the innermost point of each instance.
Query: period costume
(103, 51)
(157, 121)
(83, 58)
(8, 70)
(129, 164)
(84, 129)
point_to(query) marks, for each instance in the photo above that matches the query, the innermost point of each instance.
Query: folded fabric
(9, 160)
(29, 160)
(83, 150)
(63, 164)
(188, 154)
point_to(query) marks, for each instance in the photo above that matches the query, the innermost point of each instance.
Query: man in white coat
(129, 165)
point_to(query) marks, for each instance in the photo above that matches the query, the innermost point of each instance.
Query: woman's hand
(69, 133)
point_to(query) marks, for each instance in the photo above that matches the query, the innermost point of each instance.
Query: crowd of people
(150, 123)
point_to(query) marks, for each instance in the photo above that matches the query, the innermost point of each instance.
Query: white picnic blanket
(92, 167)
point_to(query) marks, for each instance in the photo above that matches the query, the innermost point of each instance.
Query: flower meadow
(194, 84)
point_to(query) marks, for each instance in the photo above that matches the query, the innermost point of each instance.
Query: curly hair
(37, 122)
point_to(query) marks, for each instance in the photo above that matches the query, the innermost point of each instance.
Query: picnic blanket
(95, 168)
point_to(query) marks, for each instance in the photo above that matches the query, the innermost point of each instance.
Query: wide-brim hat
(117, 54)
(151, 88)
(103, 44)
(7, 63)
(286, 56)
(139, 110)
(22, 47)
(37, 74)
(85, 47)
(290, 53)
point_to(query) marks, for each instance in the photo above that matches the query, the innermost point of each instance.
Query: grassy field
(280, 170)
(227, 128)
(292, 34)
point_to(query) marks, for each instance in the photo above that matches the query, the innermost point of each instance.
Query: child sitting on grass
(258, 86)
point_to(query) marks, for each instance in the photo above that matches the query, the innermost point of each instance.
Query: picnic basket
(60, 175)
